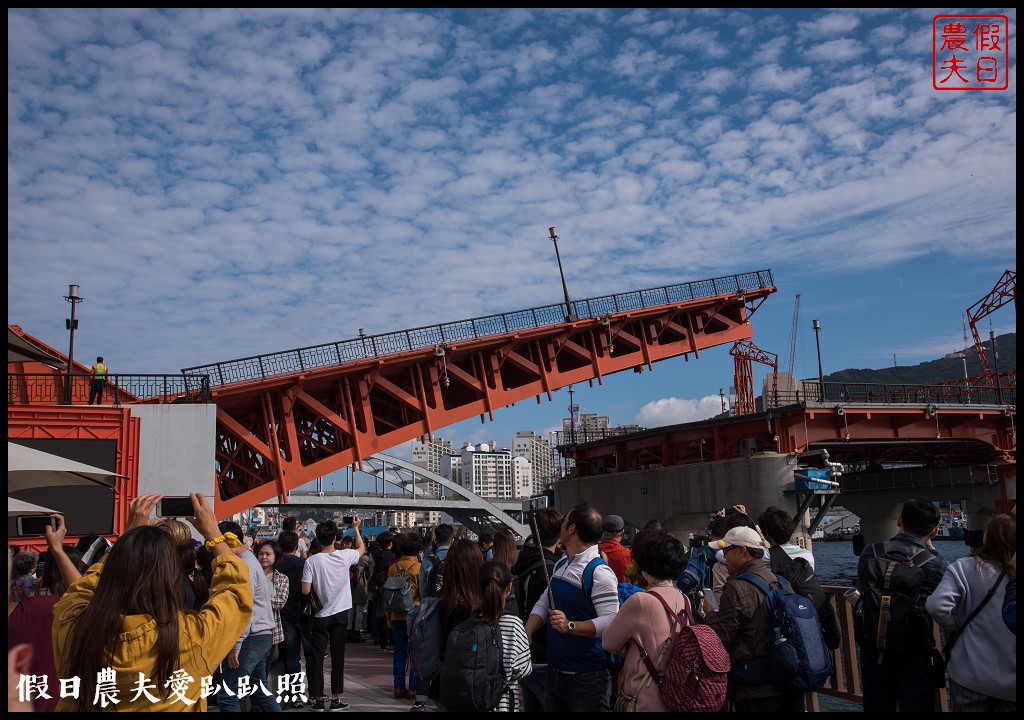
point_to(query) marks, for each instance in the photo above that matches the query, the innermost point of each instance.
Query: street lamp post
(821, 376)
(570, 316)
(72, 325)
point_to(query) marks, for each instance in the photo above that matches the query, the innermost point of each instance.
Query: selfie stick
(543, 562)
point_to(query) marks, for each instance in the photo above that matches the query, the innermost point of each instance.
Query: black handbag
(311, 605)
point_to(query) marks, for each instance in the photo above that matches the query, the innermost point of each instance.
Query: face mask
(720, 556)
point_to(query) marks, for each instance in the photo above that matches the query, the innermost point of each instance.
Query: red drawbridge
(286, 419)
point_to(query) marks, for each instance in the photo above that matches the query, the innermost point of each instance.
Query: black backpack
(471, 679)
(435, 577)
(526, 582)
(888, 618)
(801, 576)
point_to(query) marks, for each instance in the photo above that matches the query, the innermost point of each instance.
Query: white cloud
(672, 411)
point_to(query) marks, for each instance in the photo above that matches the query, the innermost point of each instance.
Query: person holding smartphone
(125, 614)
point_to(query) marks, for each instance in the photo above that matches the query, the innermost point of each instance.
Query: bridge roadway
(414, 488)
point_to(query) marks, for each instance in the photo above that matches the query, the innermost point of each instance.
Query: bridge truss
(286, 419)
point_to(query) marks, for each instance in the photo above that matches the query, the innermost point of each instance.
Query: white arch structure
(410, 492)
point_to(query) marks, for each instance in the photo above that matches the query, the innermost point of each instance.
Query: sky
(223, 183)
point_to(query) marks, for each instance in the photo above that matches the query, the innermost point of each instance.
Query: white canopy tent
(28, 468)
(20, 507)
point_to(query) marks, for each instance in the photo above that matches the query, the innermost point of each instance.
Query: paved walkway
(369, 682)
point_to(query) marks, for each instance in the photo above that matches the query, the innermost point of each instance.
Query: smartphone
(712, 600)
(29, 525)
(346, 519)
(175, 507)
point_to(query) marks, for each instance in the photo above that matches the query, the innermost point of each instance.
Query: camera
(347, 519)
(698, 541)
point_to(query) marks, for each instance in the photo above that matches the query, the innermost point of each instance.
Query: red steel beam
(277, 434)
(952, 435)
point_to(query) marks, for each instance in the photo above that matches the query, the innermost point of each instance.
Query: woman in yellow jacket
(407, 548)
(122, 631)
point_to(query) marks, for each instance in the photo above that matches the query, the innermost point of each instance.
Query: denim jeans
(533, 689)
(577, 692)
(328, 631)
(357, 618)
(401, 636)
(292, 648)
(252, 663)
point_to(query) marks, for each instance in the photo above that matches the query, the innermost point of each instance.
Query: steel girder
(285, 431)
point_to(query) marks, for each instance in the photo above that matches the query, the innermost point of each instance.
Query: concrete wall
(683, 496)
(177, 449)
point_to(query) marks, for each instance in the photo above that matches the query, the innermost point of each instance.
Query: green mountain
(936, 371)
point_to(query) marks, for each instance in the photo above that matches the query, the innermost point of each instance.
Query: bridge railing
(898, 394)
(845, 683)
(52, 388)
(258, 367)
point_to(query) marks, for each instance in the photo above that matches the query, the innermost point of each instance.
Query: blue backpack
(625, 590)
(798, 659)
(694, 576)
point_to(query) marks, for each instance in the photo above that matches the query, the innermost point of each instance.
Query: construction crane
(745, 353)
(792, 336)
(1005, 291)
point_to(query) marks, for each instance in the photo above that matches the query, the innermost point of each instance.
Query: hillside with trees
(936, 371)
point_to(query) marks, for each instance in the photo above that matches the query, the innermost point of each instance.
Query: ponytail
(495, 578)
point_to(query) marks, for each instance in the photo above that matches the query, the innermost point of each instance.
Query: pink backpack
(697, 674)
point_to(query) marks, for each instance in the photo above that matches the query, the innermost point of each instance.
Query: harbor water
(835, 563)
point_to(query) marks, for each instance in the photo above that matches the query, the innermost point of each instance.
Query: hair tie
(228, 538)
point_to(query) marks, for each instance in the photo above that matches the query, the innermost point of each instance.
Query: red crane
(745, 353)
(1004, 292)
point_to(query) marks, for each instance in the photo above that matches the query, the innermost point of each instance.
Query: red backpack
(697, 674)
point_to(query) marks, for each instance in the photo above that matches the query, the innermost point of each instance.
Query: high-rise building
(430, 455)
(537, 450)
(588, 426)
(492, 473)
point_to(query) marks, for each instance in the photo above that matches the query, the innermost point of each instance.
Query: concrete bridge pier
(877, 519)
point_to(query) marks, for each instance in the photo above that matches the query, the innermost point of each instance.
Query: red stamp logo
(970, 52)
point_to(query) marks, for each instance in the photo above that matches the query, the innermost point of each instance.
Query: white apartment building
(537, 450)
(492, 473)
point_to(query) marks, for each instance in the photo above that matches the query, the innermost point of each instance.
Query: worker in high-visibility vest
(99, 379)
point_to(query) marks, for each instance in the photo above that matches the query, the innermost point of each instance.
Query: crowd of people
(582, 620)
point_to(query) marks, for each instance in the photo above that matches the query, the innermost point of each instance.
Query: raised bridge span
(287, 418)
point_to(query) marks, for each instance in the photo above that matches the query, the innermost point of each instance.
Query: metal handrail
(120, 388)
(259, 367)
(898, 394)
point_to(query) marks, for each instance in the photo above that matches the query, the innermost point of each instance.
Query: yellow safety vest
(99, 371)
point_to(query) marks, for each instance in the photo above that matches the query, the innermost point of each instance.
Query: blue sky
(224, 183)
